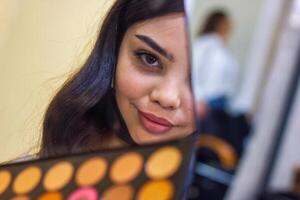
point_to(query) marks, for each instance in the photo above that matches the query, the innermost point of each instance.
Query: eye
(148, 59)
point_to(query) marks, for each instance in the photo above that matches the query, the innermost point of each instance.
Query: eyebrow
(151, 43)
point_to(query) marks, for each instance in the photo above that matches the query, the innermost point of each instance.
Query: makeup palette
(149, 172)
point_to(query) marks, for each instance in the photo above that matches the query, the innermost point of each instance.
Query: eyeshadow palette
(149, 172)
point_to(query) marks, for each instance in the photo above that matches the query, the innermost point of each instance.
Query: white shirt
(215, 70)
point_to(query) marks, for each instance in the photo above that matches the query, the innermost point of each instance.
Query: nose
(167, 95)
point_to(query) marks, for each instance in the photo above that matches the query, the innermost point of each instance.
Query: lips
(154, 124)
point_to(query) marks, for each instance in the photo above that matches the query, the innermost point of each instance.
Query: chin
(149, 138)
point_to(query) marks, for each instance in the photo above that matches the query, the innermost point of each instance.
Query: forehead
(167, 23)
(164, 30)
(168, 31)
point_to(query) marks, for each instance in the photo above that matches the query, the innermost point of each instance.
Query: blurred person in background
(215, 78)
(215, 75)
(215, 66)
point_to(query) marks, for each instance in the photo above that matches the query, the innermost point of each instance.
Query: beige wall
(41, 42)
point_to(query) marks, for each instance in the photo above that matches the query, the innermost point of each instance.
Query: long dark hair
(77, 112)
(213, 22)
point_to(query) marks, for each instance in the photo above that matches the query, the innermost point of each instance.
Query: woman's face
(152, 80)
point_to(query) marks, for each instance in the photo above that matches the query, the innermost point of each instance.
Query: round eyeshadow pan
(27, 180)
(124, 192)
(163, 163)
(51, 196)
(126, 167)
(158, 190)
(86, 193)
(5, 179)
(91, 171)
(58, 176)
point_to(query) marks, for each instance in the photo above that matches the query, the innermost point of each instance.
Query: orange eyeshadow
(124, 192)
(126, 167)
(84, 177)
(27, 180)
(58, 176)
(5, 178)
(146, 172)
(158, 190)
(51, 196)
(163, 163)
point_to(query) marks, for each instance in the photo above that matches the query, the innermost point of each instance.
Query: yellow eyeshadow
(163, 163)
(97, 166)
(158, 190)
(58, 176)
(5, 178)
(27, 180)
(124, 192)
(126, 167)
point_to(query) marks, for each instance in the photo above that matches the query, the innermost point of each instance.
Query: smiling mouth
(154, 124)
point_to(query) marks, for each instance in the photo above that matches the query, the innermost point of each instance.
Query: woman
(215, 68)
(134, 87)
(216, 73)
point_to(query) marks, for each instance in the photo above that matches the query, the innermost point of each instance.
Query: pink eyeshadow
(86, 193)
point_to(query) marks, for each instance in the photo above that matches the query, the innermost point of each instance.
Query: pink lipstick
(154, 124)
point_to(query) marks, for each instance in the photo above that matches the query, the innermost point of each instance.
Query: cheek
(188, 108)
(130, 83)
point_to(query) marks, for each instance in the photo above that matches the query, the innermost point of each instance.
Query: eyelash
(142, 55)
